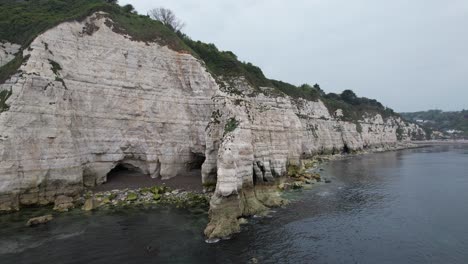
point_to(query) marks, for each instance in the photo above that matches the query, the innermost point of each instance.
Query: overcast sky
(409, 54)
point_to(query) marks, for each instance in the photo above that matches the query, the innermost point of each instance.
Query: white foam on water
(212, 240)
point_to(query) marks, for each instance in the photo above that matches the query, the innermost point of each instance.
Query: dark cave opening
(125, 169)
(345, 149)
(125, 175)
(196, 161)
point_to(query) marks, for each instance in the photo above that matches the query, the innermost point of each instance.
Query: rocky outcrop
(7, 52)
(269, 134)
(85, 102)
(40, 220)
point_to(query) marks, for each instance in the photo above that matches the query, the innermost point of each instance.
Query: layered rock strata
(85, 102)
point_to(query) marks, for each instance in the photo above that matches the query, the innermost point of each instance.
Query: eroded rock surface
(86, 102)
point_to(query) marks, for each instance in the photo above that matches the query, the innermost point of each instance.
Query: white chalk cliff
(84, 102)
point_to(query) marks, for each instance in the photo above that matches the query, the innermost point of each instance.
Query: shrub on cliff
(225, 63)
(4, 95)
(231, 125)
(128, 8)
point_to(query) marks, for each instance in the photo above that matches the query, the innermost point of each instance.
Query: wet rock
(39, 220)
(297, 185)
(105, 200)
(156, 196)
(112, 196)
(63, 203)
(132, 196)
(155, 190)
(316, 176)
(284, 186)
(309, 181)
(90, 204)
(243, 221)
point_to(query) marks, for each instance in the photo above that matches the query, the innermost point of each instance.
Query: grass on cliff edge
(23, 20)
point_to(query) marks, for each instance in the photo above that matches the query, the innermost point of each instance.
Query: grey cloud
(410, 55)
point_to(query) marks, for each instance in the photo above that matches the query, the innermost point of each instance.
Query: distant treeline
(442, 121)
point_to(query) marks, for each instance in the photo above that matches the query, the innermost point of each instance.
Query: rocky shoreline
(304, 175)
(155, 195)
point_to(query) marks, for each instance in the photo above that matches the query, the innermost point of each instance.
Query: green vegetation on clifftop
(22, 21)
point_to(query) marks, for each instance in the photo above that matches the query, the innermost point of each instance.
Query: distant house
(453, 131)
(421, 121)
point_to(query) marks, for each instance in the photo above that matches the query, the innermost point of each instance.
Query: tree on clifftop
(129, 8)
(167, 17)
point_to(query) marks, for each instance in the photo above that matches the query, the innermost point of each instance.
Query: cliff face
(83, 103)
(88, 100)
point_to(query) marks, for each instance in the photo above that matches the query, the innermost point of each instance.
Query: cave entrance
(124, 170)
(196, 162)
(345, 149)
(125, 175)
(192, 178)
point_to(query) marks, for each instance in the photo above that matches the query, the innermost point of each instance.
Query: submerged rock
(254, 260)
(39, 220)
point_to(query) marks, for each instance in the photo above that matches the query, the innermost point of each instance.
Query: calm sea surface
(397, 207)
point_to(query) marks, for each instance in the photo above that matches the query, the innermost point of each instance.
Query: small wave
(212, 240)
(15, 246)
(323, 194)
(8, 247)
